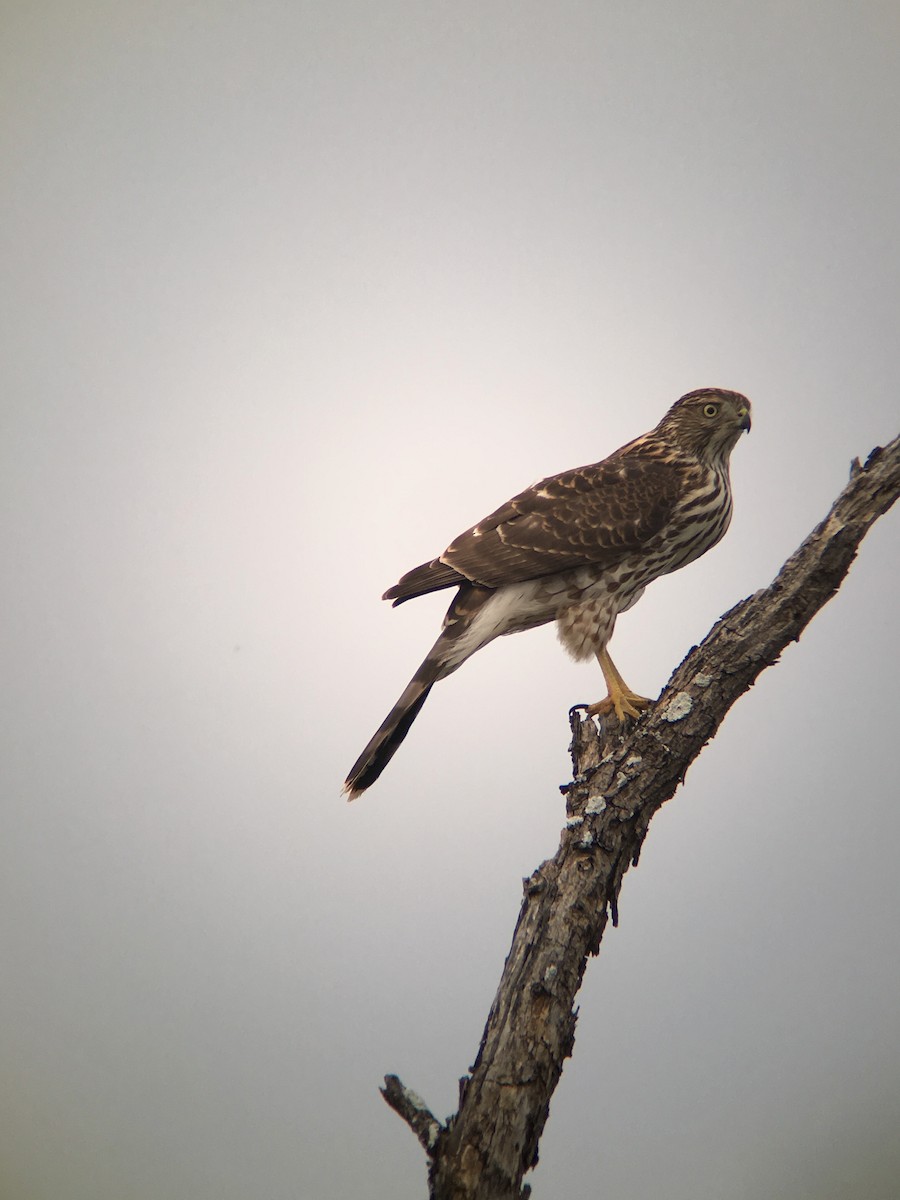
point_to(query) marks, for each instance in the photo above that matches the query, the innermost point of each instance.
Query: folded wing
(592, 515)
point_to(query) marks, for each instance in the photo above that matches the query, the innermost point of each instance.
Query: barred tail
(459, 640)
(385, 743)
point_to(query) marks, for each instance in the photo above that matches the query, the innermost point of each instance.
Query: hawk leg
(621, 699)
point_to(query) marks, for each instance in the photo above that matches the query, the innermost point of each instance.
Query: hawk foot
(621, 699)
(622, 703)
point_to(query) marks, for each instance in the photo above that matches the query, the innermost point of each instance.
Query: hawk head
(707, 423)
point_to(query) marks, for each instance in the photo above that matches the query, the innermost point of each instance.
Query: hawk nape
(578, 549)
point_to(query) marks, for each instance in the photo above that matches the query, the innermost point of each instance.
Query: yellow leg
(621, 699)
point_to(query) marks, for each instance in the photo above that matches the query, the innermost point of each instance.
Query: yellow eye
(710, 410)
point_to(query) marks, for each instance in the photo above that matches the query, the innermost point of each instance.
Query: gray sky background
(294, 293)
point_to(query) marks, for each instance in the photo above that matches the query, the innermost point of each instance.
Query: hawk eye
(710, 410)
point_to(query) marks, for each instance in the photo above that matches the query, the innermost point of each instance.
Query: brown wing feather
(593, 515)
(430, 577)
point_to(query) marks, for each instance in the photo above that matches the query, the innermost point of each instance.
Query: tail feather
(455, 644)
(384, 744)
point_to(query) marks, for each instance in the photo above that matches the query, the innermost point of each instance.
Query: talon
(621, 699)
(623, 704)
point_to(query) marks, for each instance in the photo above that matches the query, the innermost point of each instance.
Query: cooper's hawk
(578, 549)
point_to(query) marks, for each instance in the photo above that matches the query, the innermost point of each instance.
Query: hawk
(576, 548)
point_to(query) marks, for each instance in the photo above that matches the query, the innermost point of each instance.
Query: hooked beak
(744, 414)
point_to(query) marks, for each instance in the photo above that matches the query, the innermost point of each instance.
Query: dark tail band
(385, 743)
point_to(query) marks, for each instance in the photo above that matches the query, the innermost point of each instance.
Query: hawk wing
(590, 516)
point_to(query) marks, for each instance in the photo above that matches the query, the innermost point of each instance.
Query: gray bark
(621, 777)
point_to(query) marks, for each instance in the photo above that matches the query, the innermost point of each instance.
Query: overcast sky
(294, 292)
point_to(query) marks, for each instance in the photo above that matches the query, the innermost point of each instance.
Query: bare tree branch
(412, 1108)
(621, 778)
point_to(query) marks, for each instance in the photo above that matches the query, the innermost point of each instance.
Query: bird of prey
(576, 548)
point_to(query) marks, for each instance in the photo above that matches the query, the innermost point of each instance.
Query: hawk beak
(745, 419)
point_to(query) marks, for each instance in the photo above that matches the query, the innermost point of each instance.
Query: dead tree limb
(621, 778)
